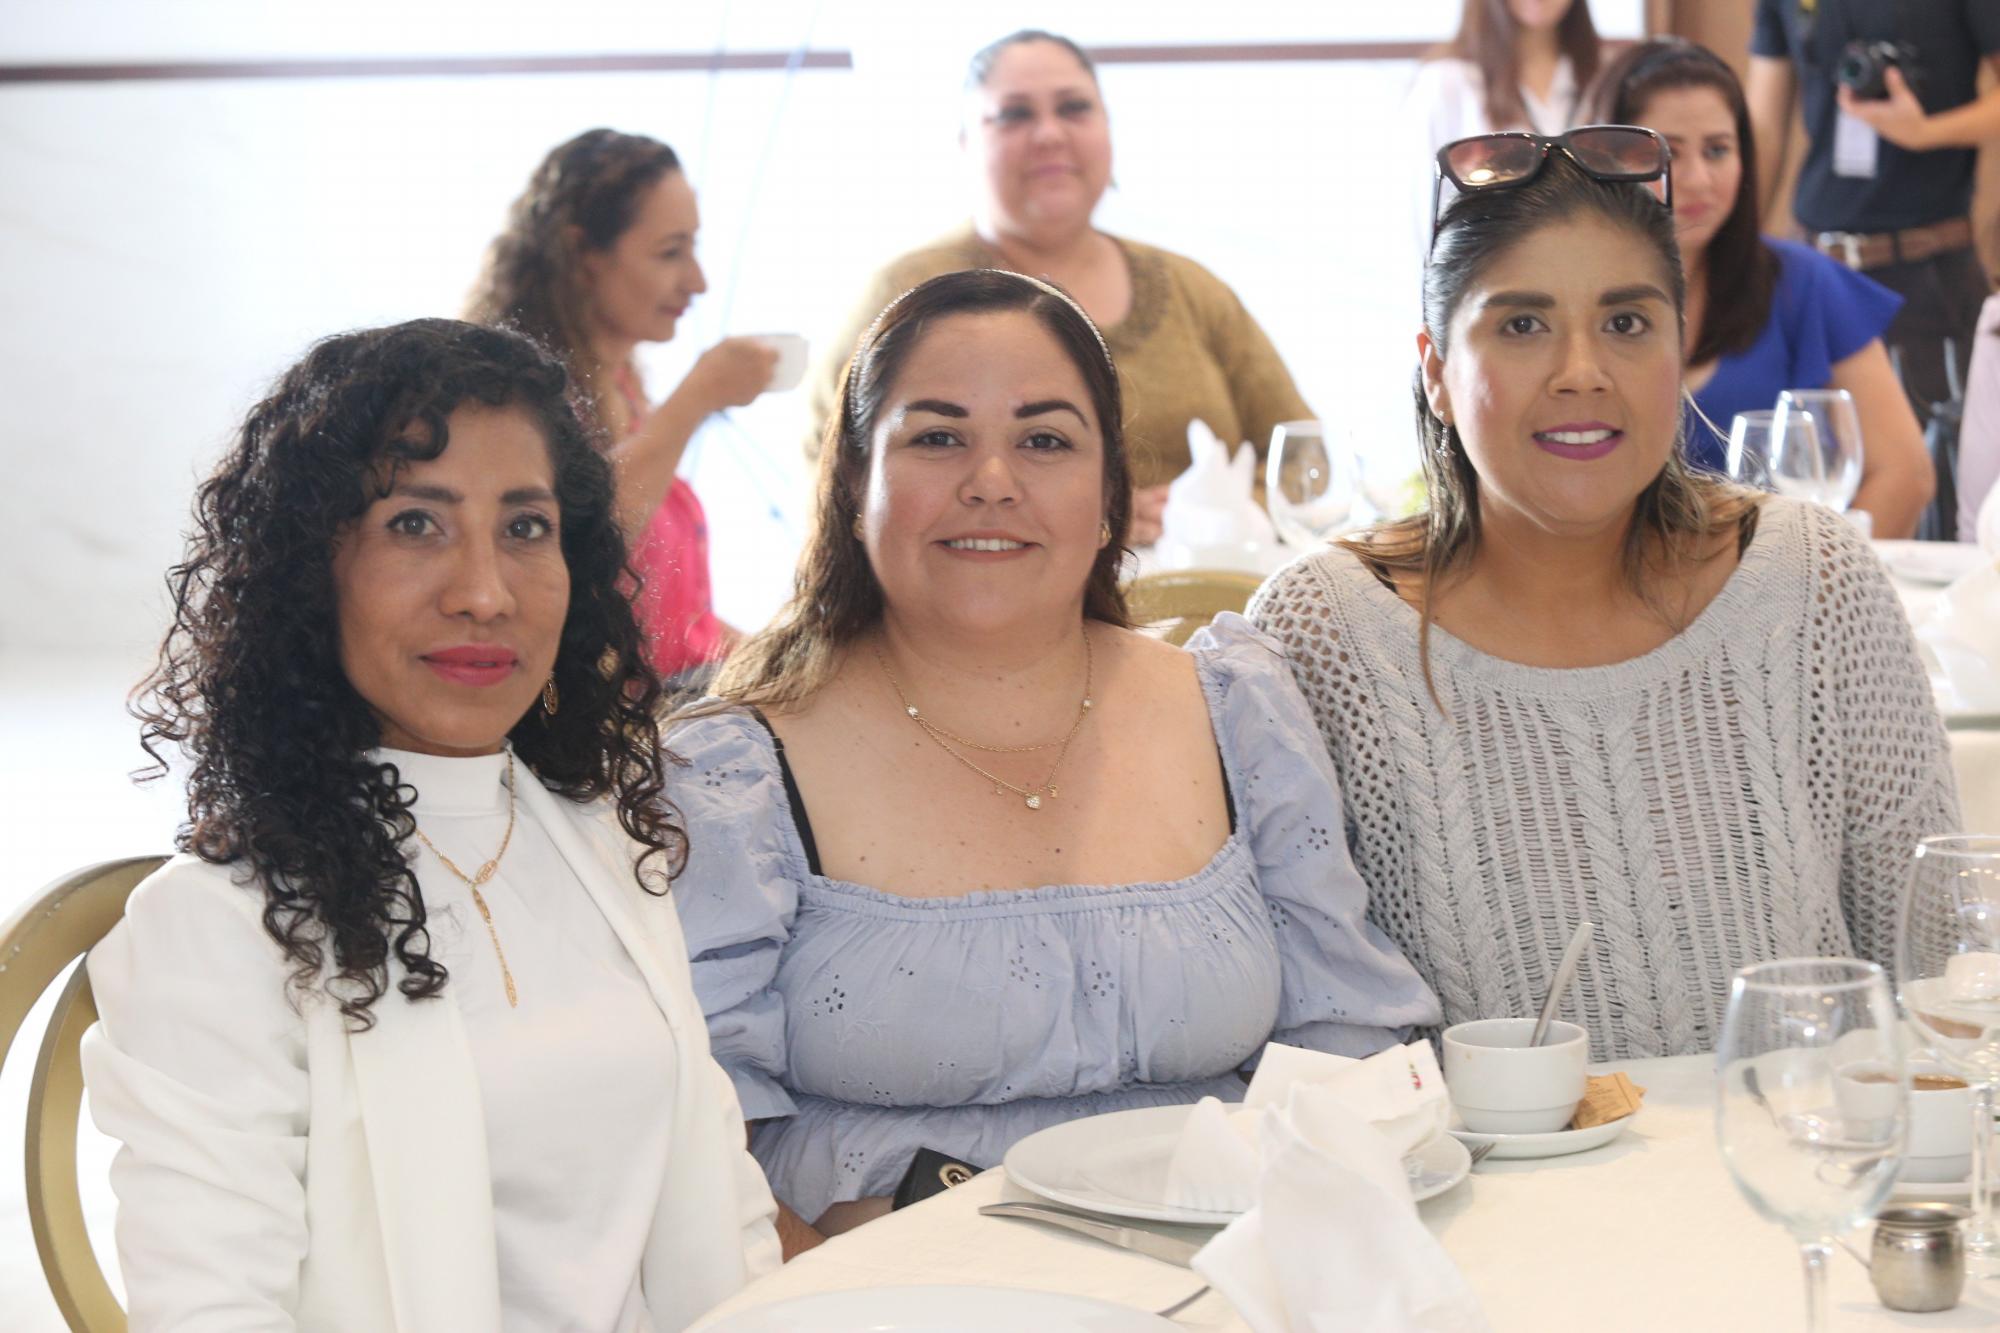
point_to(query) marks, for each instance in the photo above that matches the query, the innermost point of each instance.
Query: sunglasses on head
(1618, 153)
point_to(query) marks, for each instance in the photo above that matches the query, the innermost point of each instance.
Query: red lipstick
(477, 664)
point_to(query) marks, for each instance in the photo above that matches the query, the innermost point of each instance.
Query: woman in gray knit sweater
(1587, 682)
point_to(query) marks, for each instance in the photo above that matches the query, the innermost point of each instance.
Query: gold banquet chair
(56, 928)
(1179, 603)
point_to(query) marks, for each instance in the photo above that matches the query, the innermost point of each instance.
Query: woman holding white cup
(597, 257)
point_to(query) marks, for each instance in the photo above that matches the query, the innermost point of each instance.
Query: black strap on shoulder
(800, 821)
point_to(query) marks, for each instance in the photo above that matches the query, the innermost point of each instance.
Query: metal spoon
(1572, 959)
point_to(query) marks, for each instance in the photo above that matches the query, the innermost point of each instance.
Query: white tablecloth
(1646, 1233)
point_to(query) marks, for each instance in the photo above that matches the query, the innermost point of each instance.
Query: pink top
(671, 558)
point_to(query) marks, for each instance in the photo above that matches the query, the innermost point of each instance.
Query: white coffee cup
(1938, 1148)
(791, 368)
(1501, 1085)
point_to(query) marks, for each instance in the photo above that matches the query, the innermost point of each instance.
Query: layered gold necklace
(1033, 796)
(484, 873)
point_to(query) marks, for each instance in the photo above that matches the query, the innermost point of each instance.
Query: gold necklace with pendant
(1033, 796)
(485, 873)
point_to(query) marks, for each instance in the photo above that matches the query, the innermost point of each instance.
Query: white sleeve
(197, 1066)
(1442, 106)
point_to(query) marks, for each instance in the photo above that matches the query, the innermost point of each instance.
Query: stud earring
(857, 527)
(551, 700)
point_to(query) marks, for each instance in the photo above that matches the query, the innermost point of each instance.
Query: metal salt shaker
(1918, 1257)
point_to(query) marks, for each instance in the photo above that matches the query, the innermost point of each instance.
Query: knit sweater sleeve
(1881, 738)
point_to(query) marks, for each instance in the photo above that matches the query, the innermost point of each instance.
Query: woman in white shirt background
(404, 1039)
(1512, 65)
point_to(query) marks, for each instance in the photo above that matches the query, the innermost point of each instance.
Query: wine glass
(1948, 969)
(1391, 483)
(1813, 1146)
(1823, 465)
(1309, 484)
(1748, 461)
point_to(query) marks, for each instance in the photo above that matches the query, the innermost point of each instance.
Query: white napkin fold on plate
(1334, 1242)
(1396, 1098)
(1962, 633)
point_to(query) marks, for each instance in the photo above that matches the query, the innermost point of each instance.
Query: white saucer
(929, 1309)
(1558, 1143)
(1051, 1163)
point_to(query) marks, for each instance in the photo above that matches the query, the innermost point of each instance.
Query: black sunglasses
(1618, 153)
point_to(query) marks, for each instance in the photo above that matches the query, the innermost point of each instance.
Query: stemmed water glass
(1748, 461)
(1309, 483)
(1822, 465)
(1813, 1148)
(1948, 971)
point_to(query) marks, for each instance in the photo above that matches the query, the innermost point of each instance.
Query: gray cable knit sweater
(1749, 790)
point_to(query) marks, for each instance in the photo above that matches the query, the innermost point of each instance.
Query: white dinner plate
(1052, 1162)
(1557, 1143)
(940, 1310)
(1932, 564)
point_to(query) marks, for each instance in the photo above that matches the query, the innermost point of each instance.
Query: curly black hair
(249, 683)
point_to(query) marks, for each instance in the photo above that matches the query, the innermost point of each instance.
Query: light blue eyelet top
(860, 1025)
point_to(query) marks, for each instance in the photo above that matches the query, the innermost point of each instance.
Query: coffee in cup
(1938, 1148)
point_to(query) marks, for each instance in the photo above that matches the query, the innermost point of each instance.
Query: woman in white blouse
(405, 1039)
(1513, 65)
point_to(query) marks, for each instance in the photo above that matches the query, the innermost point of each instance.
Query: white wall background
(166, 248)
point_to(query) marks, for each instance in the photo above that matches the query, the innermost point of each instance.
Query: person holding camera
(1892, 116)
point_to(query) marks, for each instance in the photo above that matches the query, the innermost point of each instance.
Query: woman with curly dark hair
(405, 1039)
(598, 257)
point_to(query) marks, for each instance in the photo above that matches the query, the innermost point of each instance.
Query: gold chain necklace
(1033, 796)
(485, 873)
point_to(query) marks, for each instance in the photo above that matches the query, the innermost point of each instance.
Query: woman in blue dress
(1763, 315)
(977, 858)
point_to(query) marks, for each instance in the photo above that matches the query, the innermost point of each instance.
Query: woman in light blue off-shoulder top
(969, 857)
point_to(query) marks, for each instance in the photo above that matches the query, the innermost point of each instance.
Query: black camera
(1864, 67)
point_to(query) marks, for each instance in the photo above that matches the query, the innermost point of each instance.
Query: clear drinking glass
(1812, 1143)
(1309, 483)
(1948, 973)
(1823, 465)
(1385, 481)
(1748, 461)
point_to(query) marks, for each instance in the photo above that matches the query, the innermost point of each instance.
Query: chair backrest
(56, 928)
(1183, 601)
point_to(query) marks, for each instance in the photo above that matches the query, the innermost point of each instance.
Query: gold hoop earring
(857, 527)
(551, 700)
(1104, 533)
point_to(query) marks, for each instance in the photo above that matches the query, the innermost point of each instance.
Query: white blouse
(573, 1080)
(1447, 102)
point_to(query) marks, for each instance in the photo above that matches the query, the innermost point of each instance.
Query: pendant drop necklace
(1033, 796)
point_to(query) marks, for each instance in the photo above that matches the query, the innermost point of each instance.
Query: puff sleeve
(737, 897)
(1346, 987)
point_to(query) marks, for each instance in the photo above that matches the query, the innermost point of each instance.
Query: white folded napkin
(1212, 519)
(1334, 1242)
(1963, 636)
(1394, 1101)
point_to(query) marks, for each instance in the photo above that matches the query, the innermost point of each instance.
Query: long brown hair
(835, 595)
(1677, 511)
(1739, 263)
(1486, 38)
(582, 198)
